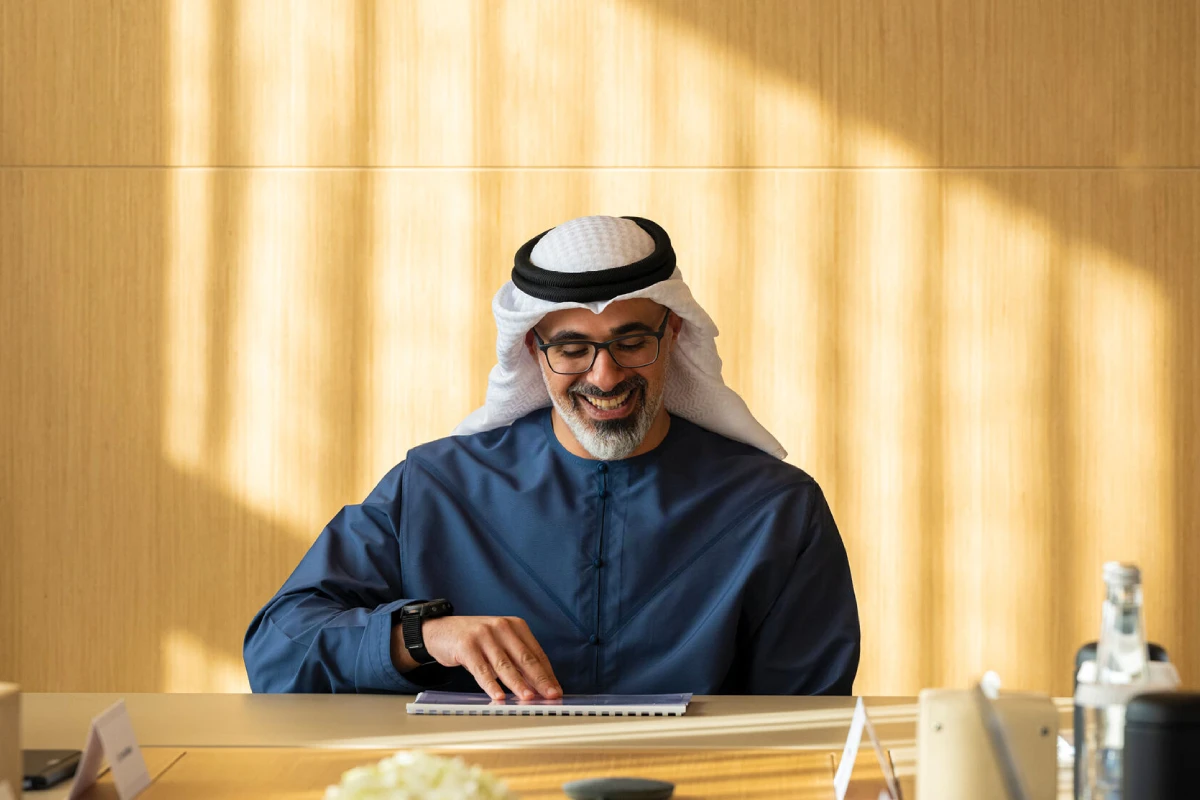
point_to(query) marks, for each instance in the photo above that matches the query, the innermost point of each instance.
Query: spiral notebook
(572, 705)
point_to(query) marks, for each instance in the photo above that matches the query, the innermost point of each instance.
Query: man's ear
(675, 324)
(529, 344)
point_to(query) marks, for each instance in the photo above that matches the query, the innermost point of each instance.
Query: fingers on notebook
(502, 651)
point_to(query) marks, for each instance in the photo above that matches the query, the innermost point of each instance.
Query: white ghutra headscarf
(590, 262)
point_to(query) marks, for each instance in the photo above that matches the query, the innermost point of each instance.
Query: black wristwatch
(411, 617)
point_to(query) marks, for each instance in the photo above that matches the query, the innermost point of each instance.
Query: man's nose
(605, 373)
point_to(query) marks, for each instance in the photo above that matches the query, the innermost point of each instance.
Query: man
(613, 520)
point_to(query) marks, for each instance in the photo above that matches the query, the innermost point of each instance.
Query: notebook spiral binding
(543, 712)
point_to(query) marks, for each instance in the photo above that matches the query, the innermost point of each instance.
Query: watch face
(415, 607)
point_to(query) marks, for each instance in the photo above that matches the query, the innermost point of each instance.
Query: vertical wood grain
(1072, 83)
(991, 372)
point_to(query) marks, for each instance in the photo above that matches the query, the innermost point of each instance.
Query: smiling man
(614, 413)
(612, 520)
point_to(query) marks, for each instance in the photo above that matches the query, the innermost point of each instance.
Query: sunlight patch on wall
(865, 143)
(187, 302)
(423, 290)
(277, 452)
(623, 34)
(422, 258)
(293, 68)
(187, 356)
(812, 728)
(1119, 424)
(261, 428)
(705, 100)
(850, 312)
(796, 117)
(732, 112)
(190, 666)
(422, 70)
(996, 370)
(886, 253)
(191, 54)
(793, 270)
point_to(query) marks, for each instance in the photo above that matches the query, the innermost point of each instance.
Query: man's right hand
(494, 650)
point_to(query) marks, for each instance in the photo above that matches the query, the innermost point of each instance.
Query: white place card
(841, 780)
(111, 736)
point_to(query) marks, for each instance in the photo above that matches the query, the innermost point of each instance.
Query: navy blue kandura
(704, 565)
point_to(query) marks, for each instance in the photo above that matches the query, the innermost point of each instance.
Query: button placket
(598, 563)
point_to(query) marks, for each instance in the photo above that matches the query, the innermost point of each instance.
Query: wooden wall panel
(1069, 411)
(613, 83)
(992, 376)
(82, 83)
(1072, 83)
(993, 373)
(469, 83)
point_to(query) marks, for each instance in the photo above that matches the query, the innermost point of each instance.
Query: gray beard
(609, 440)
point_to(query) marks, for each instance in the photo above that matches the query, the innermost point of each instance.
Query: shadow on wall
(1105, 258)
(208, 342)
(132, 550)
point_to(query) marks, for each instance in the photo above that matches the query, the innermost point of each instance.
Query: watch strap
(412, 616)
(414, 641)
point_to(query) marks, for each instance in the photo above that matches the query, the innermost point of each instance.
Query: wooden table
(158, 761)
(292, 746)
(292, 774)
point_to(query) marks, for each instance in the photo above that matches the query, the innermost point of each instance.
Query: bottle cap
(1121, 573)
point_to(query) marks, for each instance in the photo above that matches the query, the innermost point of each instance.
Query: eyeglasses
(631, 351)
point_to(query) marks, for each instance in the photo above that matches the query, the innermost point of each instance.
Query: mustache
(635, 382)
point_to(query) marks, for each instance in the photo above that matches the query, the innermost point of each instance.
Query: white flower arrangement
(414, 775)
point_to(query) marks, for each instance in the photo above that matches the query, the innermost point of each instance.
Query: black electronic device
(411, 618)
(618, 789)
(1162, 738)
(46, 768)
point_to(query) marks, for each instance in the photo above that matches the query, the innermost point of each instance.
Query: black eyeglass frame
(598, 346)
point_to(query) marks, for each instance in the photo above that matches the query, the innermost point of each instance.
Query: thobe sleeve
(329, 628)
(808, 642)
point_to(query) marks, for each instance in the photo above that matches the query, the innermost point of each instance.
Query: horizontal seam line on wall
(324, 168)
